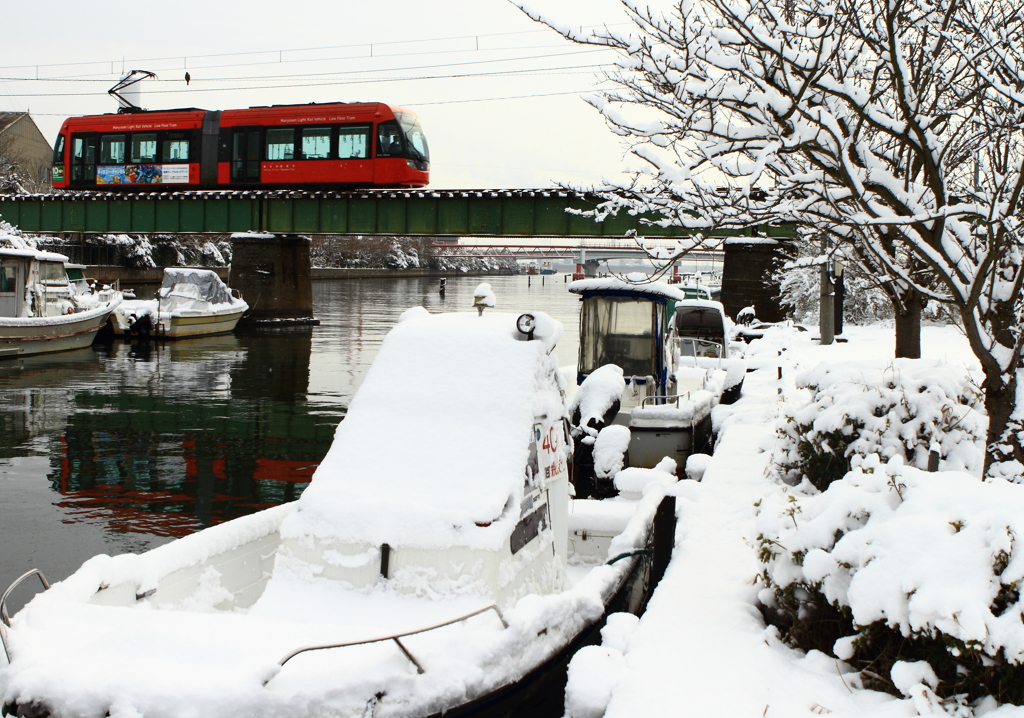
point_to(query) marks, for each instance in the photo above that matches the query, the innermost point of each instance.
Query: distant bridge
(577, 252)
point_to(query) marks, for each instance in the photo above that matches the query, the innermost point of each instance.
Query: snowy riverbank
(702, 648)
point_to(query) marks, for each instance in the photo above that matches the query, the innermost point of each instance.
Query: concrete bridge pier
(272, 272)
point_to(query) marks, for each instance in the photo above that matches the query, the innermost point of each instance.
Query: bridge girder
(452, 213)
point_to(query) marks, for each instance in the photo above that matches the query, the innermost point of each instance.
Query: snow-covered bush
(905, 408)
(892, 565)
(397, 253)
(863, 301)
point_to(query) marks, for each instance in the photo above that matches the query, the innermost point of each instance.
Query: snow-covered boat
(42, 311)
(435, 565)
(671, 364)
(190, 303)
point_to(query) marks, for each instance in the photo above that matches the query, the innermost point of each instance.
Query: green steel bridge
(439, 213)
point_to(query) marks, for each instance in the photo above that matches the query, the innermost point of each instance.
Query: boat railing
(6, 619)
(396, 637)
(662, 400)
(704, 348)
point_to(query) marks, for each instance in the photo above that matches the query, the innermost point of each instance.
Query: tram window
(389, 140)
(281, 144)
(77, 157)
(111, 149)
(144, 147)
(413, 134)
(58, 151)
(176, 147)
(353, 143)
(316, 143)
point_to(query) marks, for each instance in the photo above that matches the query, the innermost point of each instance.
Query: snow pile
(391, 475)
(598, 393)
(609, 450)
(923, 561)
(595, 670)
(906, 408)
(635, 482)
(483, 296)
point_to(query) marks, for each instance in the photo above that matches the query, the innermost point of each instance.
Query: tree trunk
(908, 326)
(1005, 445)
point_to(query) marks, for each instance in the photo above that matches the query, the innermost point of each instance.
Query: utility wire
(335, 72)
(280, 52)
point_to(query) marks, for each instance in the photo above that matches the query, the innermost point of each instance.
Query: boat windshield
(52, 273)
(620, 331)
(416, 140)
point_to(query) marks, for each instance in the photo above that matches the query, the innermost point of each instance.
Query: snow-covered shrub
(892, 565)
(905, 408)
(863, 301)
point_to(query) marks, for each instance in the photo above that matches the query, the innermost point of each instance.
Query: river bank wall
(132, 276)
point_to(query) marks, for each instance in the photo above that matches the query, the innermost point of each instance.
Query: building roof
(9, 118)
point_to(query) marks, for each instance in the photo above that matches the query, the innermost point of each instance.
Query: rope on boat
(637, 552)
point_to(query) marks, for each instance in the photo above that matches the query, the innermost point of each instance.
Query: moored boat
(191, 302)
(673, 365)
(42, 311)
(436, 563)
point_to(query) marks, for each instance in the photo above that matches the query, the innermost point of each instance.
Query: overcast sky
(499, 96)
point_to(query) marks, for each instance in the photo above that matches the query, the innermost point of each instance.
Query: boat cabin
(626, 325)
(33, 284)
(698, 329)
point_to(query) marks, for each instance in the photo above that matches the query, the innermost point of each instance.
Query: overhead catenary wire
(582, 69)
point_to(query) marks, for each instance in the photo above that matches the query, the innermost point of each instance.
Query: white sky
(477, 140)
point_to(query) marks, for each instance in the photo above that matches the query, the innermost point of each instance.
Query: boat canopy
(648, 290)
(211, 288)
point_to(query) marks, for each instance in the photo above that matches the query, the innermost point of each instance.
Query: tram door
(84, 151)
(246, 151)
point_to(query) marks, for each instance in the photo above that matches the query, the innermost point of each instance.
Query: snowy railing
(3, 604)
(661, 400)
(704, 348)
(394, 637)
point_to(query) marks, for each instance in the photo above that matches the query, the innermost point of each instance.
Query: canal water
(122, 447)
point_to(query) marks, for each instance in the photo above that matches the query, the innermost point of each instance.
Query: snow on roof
(658, 289)
(17, 247)
(436, 440)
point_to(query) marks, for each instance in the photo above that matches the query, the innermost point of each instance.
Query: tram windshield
(620, 331)
(416, 140)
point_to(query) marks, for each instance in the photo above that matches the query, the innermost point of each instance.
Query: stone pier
(747, 276)
(272, 271)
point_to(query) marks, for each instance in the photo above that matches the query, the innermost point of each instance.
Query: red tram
(314, 146)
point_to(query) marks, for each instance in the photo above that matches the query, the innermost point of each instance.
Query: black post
(664, 538)
(837, 303)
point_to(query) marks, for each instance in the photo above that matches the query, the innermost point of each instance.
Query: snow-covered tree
(897, 126)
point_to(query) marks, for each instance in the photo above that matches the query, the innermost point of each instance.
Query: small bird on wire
(188, 78)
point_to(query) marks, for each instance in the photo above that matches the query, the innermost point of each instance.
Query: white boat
(190, 303)
(674, 356)
(41, 310)
(435, 565)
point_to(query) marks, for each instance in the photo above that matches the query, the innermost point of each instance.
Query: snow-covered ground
(702, 648)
